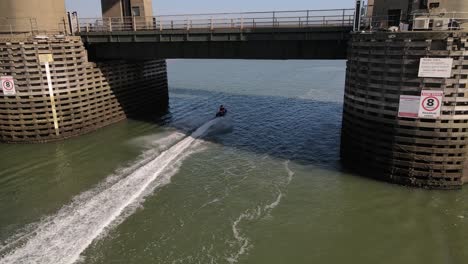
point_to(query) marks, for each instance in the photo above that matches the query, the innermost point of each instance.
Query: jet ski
(221, 112)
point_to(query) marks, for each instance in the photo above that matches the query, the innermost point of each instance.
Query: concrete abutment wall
(87, 95)
(33, 16)
(429, 153)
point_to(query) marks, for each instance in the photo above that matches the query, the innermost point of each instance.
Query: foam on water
(253, 214)
(63, 237)
(158, 141)
(289, 171)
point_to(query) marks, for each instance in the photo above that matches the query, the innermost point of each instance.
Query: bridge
(303, 34)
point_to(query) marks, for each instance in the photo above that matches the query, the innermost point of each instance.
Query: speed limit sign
(8, 85)
(430, 104)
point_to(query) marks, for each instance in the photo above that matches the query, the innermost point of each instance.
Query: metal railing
(417, 22)
(379, 22)
(442, 21)
(247, 20)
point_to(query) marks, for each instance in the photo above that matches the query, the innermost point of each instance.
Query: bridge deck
(308, 34)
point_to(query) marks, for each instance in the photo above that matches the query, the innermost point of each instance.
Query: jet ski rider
(222, 111)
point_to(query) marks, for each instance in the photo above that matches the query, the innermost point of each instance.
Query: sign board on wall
(43, 58)
(409, 106)
(8, 85)
(435, 67)
(430, 104)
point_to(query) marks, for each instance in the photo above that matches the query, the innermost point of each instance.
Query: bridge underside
(264, 43)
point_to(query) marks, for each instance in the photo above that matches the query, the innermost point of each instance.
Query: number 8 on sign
(8, 85)
(430, 103)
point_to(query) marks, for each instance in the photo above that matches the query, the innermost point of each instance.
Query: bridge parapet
(246, 20)
(417, 21)
(304, 34)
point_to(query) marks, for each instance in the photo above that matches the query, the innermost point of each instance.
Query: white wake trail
(63, 237)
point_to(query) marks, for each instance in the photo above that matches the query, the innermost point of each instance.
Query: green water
(263, 185)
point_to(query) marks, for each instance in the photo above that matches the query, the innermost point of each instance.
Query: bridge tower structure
(49, 90)
(37, 15)
(127, 8)
(405, 117)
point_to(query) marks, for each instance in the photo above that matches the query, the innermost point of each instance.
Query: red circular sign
(430, 103)
(8, 85)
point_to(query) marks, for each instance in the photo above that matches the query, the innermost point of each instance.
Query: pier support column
(430, 153)
(86, 95)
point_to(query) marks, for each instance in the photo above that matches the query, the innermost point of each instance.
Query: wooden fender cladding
(87, 95)
(429, 153)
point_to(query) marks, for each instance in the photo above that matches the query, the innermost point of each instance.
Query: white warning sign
(435, 67)
(430, 104)
(409, 106)
(8, 85)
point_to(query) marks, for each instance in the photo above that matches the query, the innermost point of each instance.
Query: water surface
(263, 185)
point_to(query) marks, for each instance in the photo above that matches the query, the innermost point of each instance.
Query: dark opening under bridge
(305, 34)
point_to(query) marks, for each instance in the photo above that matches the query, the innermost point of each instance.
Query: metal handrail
(453, 21)
(275, 19)
(258, 12)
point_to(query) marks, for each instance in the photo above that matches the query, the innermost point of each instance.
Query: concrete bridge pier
(85, 95)
(405, 117)
(409, 150)
(77, 96)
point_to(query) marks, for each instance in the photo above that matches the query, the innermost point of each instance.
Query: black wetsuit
(221, 112)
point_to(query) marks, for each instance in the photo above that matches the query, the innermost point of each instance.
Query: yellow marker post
(46, 59)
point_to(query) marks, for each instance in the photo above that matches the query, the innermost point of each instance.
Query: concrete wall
(450, 5)
(86, 95)
(381, 7)
(370, 8)
(112, 8)
(146, 7)
(119, 8)
(42, 15)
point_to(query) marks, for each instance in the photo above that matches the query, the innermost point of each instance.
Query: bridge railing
(447, 21)
(273, 19)
(440, 21)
